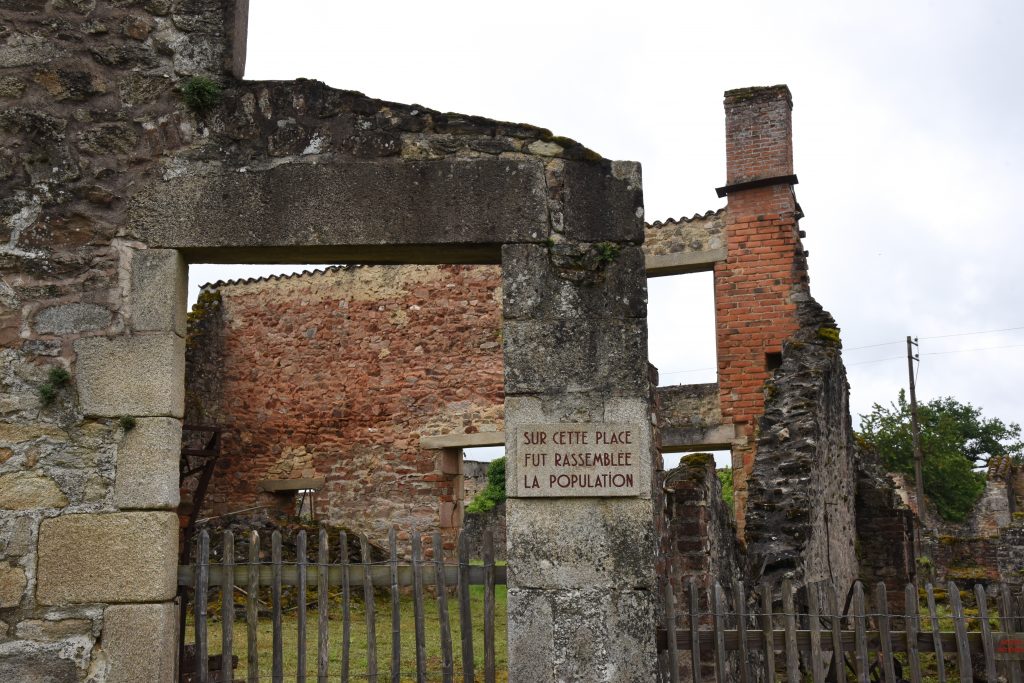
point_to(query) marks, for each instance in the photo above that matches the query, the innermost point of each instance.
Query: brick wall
(758, 286)
(697, 541)
(336, 376)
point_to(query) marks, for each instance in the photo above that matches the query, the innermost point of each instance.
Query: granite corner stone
(143, 375)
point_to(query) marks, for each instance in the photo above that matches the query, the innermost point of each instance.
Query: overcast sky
(908, 132)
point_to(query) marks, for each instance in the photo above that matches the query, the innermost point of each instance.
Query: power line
(956, 334)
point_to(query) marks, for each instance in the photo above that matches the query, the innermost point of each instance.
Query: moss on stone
(830, 334)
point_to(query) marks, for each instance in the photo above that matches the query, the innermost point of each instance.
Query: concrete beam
(660, 265)
(476, 440)
(716, 438)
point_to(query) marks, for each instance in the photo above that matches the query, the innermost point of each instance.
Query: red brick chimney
(755, 307)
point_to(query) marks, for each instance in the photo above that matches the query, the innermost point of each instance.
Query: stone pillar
(758, 286)
(581, 541)
(128, 556)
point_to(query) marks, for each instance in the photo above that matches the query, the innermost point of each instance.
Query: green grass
(358, 652)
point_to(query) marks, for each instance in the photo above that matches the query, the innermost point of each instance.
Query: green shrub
(494, 492)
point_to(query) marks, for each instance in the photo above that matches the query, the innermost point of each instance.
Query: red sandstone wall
(337, 375)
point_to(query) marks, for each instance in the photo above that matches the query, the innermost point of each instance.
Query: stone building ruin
(112, 183)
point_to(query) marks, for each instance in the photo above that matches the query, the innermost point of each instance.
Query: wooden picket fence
(749, 639)
(250, 576)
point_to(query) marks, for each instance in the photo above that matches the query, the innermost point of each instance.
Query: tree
(955, 440)
(494, 492)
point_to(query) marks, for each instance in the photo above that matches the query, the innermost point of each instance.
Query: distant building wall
(337, 375)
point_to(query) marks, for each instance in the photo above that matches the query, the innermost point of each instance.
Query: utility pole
(916, 430)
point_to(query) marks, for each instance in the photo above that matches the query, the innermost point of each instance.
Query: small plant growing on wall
(200, 94)
(606, 252)
(57, 378)
(127, 423)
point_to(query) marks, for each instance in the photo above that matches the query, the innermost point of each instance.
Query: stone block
(50, 630)
(594, 355)
(603, 202)
(604, 636)
(119, 557)
(139, 642)
(448, 205)
(159, 284)
(532, 288)
(560, 543)
(12, 585)
(72, 318)
(531, 636)
(28, 490)
(26, 663)
(147, 465)
(142, 375)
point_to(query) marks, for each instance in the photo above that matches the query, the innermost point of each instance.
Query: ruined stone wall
(800, 507)
(88, 100)
(337, 375)
(885, 530)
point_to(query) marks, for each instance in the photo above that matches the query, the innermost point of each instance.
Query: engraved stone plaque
(577, 460)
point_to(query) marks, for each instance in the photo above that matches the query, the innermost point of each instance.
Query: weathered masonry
(112, 183)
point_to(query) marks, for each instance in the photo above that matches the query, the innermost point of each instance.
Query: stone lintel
(474, 440)
(659, 265)
(300, 484)
(716, 438)
(447, 204)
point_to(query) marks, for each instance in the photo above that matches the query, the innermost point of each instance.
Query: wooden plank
(489, 663)
(986, 633)
(1009, 625)
(694, 632)
(346, 610)
(792, 654)
(300, 596)
(227, 606)
(417, 608)
(963, 652)
(447, 661)
(802, 639)
(814, 622)
(396, 615)
(323, 644)
(767, 629)
(670, 628)
(718, 621)
(277, 658)
(379, 574)
(832, 605)
(913, 612)
(202, 586)
(933, 618)
(739, 601)
(882, 609)
(465, 613)
(860, 637)
(371, 619)
(252, 609)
